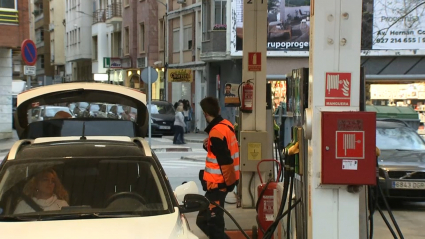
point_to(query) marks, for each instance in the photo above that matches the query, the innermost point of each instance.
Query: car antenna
(84, 129)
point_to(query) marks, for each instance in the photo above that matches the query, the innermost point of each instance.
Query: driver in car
(46, 191)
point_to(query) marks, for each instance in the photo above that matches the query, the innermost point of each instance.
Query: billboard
(389, 27)
(288, 26)
(398, 24)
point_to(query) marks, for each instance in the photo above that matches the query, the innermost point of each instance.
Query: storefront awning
(387, 69)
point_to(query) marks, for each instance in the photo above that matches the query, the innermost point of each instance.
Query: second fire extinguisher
(247, 102)
(264, 207)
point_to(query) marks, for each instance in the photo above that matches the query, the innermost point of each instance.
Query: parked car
(99, 169)
(41, 113)
(163, 115)
(402, 161)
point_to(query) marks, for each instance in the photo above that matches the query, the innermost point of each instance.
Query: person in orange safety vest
(221, 173)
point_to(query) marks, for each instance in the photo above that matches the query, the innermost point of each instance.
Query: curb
(194, 140)
(193, 158)
(173, 149)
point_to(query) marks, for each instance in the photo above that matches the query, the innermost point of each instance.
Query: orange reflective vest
(212, 172)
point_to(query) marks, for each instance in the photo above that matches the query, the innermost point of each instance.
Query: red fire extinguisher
(265, 211)
(247, 97)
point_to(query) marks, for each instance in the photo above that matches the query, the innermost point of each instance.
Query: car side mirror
(187, 188)
(194, 202)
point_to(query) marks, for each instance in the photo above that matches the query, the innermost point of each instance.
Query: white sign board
(393, 29)
(29, 70)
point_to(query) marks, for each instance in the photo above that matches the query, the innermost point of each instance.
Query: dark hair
(210, 106)
(228, 84)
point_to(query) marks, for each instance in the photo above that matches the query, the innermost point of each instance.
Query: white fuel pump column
(253, 125)
(335, 35)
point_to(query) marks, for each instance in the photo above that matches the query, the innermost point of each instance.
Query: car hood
(164, 117)
(161, 227)
(81, 92)
(402, 159)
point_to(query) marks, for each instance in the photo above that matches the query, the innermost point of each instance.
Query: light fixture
(129, 73)
(138, 72)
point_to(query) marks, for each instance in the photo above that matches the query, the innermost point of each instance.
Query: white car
(59, 183)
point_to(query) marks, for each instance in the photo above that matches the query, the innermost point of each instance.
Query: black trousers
(211, 220)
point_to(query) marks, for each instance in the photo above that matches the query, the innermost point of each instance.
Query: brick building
(14, 20)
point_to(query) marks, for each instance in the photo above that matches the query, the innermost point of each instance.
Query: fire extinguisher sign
(338, 89)
(350, 145)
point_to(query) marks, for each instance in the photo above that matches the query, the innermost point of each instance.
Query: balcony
(99, 16)
(9, 16)
(215, 46)
(113, 11)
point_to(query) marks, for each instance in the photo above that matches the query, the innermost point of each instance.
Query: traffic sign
(29, 70)
(29, 52)
(350, 145)
(153, 75)
(254, 61)
(338, 89)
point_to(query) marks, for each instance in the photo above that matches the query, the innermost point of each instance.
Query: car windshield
(101, 186)
(401, 138)
(92, 110)
(162, 108)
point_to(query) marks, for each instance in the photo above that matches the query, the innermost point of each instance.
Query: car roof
(161, 102)
(391, 124)
(92, 146)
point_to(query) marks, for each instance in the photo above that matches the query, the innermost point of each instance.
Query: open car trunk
(74, 109)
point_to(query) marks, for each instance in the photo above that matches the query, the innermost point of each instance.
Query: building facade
(185, 19)
(142, 39)
(14, 19)
(44, 68)
(57, 39)
(106, 40)
(78, 40)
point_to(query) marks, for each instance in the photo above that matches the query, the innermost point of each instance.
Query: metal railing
(9, 16)
(99, 16)
(114, 10)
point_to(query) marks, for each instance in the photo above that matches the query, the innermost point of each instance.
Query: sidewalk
(244, 217)
(190, 137)
(6, 144)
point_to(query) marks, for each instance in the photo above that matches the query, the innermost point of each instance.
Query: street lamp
(165, 49)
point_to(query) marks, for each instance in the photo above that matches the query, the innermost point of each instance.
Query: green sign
(106, 62)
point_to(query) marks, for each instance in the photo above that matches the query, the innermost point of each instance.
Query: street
(409, 216)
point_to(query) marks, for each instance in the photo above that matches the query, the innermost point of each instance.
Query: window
(220, 12)
(9, 4)
(176, 40)
(142, 37)
(40, 62)
(126, 41)
(39, 35)
(187, 38)
(161, 38)
(79, 36)
(94, 56)
(206, 20)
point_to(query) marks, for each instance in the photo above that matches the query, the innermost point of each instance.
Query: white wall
(5, 93)
(58, 35)
(75, 20)
(103, 45)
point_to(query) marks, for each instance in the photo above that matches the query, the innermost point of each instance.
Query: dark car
(163, 115)
(402, 161)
